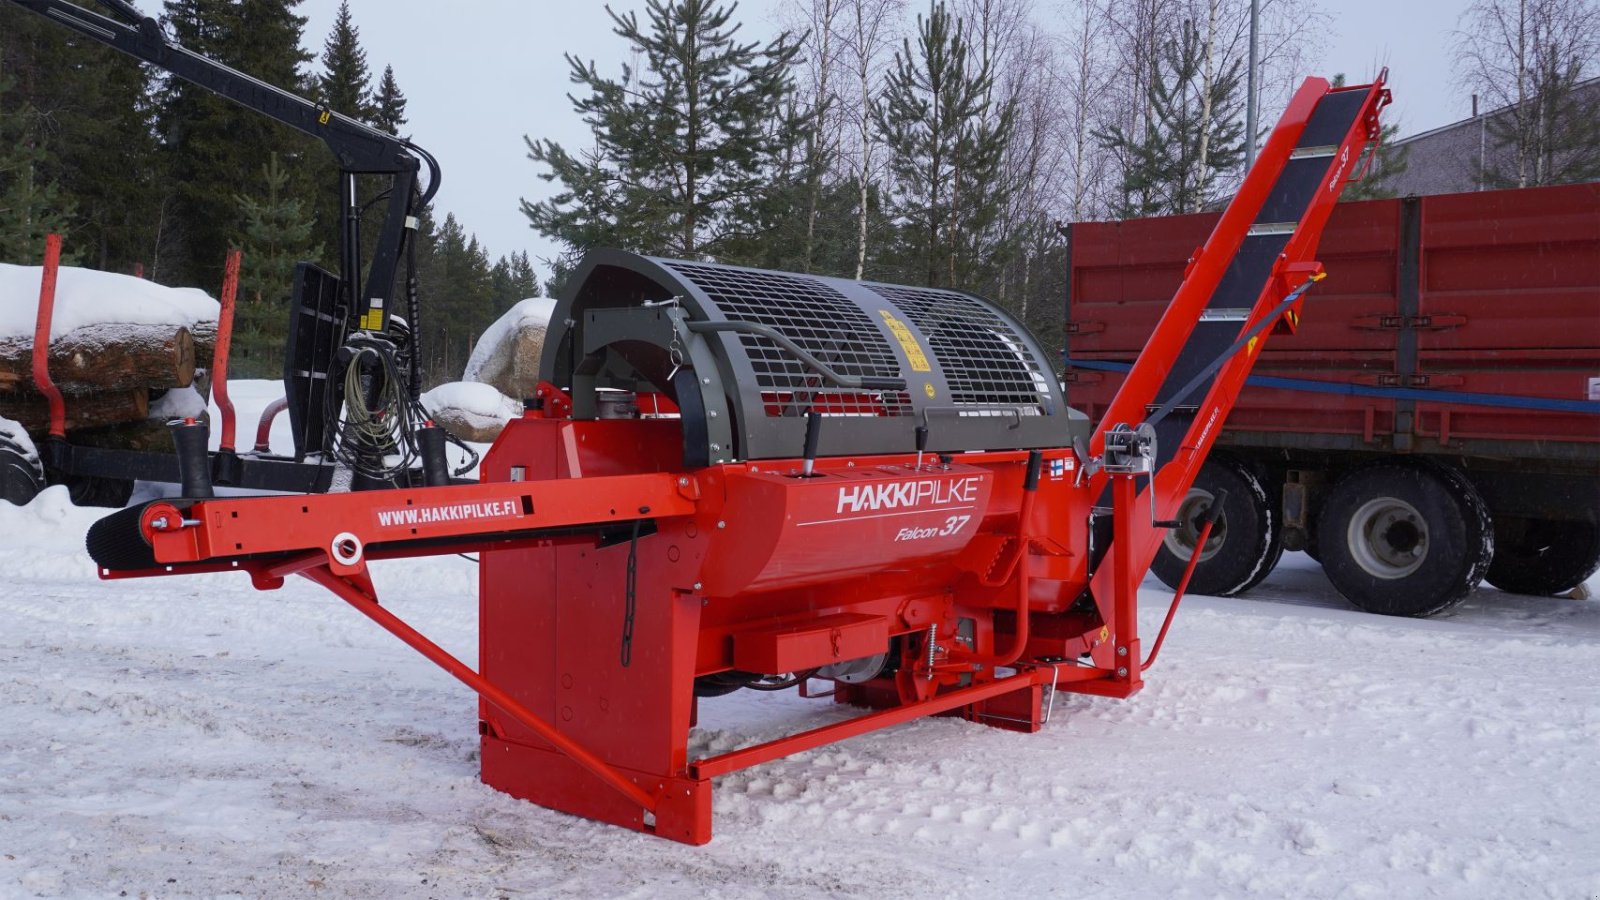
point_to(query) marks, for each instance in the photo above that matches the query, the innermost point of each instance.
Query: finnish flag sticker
(1058, 468)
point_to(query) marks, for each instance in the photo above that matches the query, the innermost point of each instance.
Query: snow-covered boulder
(471, 410)
(507, 355)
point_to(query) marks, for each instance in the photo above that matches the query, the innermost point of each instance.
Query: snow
(481, 405)
(192, 737)
(494, 348)
(15, 438)
(178, 403)
(87, 297)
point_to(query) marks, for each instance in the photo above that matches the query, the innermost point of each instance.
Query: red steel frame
(219, 354)
(41, 338)
(728, 577)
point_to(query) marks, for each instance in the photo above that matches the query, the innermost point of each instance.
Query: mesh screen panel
(818, 318)
(985, 360)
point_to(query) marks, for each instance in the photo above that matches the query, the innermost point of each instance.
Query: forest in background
(145, 173)
(913, 141)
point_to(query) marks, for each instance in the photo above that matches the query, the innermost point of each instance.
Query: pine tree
(458, 291)
(389, 103)
(216, 151)
(1193, 137)
(344, 85)
(31, 205)
(276, 235)
(94, 139)
(683, 150)
(944, 152)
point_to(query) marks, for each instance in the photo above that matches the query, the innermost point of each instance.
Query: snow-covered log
(104, 357)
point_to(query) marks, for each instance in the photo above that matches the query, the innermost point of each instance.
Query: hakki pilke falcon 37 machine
(735, 478)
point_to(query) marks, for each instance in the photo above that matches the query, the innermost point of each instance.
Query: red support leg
(368, 606)
(1126, 575)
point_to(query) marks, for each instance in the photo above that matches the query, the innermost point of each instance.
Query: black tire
(1245, 543)
(1405, 538)
(1541, 557)
(21, 477)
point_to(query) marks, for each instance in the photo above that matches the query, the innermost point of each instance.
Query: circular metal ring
(1180, 541)
(346, 549)
(1388, 538)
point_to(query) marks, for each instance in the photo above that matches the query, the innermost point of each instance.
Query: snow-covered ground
(191, 737)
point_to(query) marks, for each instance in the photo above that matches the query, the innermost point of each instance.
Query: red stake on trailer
(41, 338)
(219, 354)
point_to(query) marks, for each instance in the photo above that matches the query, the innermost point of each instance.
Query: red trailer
(1435, 418)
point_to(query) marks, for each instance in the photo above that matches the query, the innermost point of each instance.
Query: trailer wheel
(1541, 557)
(1245, 542)
(21, 477)
(1405, 538)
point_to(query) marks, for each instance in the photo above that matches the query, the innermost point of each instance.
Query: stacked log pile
(107, 374)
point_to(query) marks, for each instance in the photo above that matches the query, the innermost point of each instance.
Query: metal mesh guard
(986, 362)
(819, 319)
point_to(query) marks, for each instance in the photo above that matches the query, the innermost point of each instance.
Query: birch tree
(869, 31)
(1528, 56)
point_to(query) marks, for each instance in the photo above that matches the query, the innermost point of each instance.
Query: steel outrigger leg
(357, 591)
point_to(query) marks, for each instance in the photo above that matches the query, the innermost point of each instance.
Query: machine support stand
(1126, 575)
(366, 602)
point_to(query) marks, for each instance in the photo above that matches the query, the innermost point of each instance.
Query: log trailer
(1446, 388)
(352, 377)
(734, 478)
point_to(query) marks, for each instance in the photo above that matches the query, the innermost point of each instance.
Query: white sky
(480, 74)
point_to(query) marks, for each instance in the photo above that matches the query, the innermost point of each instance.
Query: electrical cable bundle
(378, 441)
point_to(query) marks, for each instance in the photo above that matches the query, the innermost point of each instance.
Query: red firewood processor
(738, 478)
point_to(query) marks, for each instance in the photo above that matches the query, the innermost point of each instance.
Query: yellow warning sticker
(1252, 348)
(372, 321)
(908, 342)
(927, 388)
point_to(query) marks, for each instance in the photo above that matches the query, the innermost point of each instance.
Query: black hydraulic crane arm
(360, 148)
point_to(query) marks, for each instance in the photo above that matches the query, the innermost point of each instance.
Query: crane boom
(360, 148)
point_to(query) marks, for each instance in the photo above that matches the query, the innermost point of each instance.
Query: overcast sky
(480, 74)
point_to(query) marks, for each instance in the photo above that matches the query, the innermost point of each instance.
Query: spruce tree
(217, 151)
(31, 204)
(944, 151)
(1163, 169)
(389, 104)
(683, 150)
(344, 85)
(92, 109)
(524, 280)
(276, 236)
